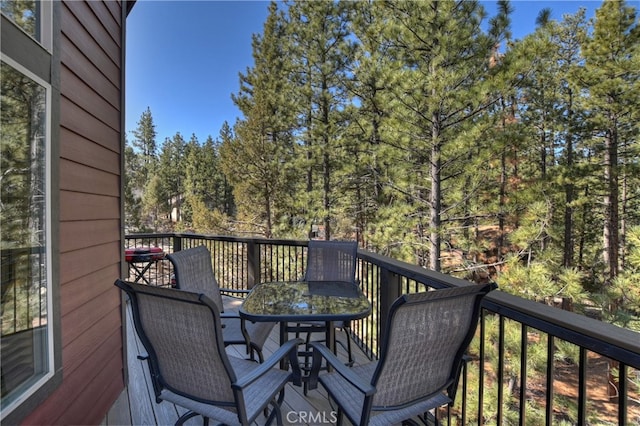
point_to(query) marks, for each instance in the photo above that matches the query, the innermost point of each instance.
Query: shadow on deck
(136, 405)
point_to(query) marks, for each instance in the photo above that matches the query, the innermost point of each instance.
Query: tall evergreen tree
(443, 83)
(321, 52)
(257, 161)
(171, 167)
(611, 77)
(552, 124)
(144, 143)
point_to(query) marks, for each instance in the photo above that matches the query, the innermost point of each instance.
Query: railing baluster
(582, 387)
(500, 369)
(524, 340)
(483, 326)
(622, 394)
(550, 374)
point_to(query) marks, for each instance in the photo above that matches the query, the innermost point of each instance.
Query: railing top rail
(598, 336)
(228, 238)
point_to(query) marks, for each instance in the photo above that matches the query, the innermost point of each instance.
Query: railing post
(177, 243)
(253, 264)
(390, 290)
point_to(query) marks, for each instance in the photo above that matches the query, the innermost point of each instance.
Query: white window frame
(48, 224)
(46, 35)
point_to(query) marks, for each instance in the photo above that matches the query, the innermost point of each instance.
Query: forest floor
(601, 409)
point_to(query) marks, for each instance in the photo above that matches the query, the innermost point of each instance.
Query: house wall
(90, 46)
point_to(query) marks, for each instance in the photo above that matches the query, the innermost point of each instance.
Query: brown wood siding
(78, 150)
(77, 206)
(90, 247)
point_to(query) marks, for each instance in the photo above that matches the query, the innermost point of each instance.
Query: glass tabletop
(305, 300)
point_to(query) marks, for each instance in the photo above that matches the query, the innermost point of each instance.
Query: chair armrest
(288, 348)
(321, 351)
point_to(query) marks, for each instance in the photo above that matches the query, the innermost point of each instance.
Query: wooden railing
(529, 363)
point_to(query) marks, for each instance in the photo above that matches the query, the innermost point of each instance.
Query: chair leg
(186, 416)
(276, 412)
(350, 358)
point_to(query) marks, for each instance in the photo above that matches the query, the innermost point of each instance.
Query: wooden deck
(137, 406)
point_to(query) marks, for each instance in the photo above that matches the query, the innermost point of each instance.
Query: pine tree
(611, 77)
(321, 54)
(144, 144)
(552, 126)
(442, 85)
(171, 167)
(257, 160)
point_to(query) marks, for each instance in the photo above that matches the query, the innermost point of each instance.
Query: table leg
(283, 339)
(330, 336)
(140, 272)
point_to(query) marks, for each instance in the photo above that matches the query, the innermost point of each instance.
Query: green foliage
(408, 126)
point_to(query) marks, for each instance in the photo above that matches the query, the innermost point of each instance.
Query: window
(24, 14)
(32, 16)
(26, 309)
(24, 223)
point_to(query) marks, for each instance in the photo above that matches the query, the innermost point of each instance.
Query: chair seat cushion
(352, 401)
(255, 395)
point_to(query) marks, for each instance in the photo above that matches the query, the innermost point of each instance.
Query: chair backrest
(194, 273)
(182, 334)
(424, 342)
(331, 261)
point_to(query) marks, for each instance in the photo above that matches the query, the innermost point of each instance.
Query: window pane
(24, 13)
(22, 232)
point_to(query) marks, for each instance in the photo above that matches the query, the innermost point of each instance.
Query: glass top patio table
(300, 301)
(305, 301)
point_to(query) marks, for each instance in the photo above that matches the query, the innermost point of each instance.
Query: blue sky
(183, 58)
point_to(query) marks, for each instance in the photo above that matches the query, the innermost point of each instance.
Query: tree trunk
(434, 201)
(610, 234)
(568, 195)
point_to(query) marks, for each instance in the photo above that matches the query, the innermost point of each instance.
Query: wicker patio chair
(193, 272)
(331, 261)
(327, 261)
(419, 362)
(182, 334)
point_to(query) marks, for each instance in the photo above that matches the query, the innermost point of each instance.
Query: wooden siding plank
(100, 337)
(86, 98)
(80, 206)
(77, 35)
(86, 22)
(81, 263)
(76, 293)
(75, 148)
(88, 233)
(79, 321)
(94, 399)
(75, 60)
(106, 398)
(115, 9)
(100, 370)
(109, 22)
(80, 178)
(81, 122)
